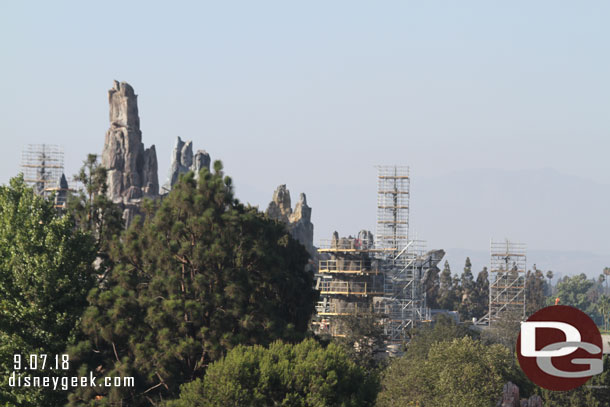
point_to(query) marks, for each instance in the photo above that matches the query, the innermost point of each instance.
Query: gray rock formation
(510, 398)
(132, 169)
(298, 221)
(183, 161)
(364, 240)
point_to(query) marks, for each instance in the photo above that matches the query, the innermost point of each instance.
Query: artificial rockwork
(132, 169)
(183, 160)
(298, 221)
(510, 398)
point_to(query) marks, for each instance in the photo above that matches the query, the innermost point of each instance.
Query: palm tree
(549, 275)
(607, 274)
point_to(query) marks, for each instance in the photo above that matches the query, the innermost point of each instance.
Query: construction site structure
(348, 278)
(59, 192)
(42, 166)
(508, 262)
(393, 186)
(403, 303)
(381, 275)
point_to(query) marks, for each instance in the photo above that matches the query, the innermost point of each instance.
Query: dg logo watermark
(560, 348)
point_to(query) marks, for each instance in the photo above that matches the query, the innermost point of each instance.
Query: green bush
(301, 375)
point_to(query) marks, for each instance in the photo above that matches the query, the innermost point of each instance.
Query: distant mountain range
(563, 219)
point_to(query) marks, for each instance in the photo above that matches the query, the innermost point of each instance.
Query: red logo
(560, 348)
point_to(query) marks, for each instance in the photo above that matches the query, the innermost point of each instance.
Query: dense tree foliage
(447, 295)
(464, 293)
(94, 212)
(363, 340)
(200, 275)
(593, 394)
(481, 294)
(535, 291)
(193, 299)
(443, 329)
(470, 296)
(45, 274)
(577, 291)
(469, 292)
(603, 308)
(458, 372)
(302, 375)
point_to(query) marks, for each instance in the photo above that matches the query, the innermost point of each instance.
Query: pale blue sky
(314, 94)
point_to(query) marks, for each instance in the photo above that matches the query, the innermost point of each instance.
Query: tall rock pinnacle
(132, 170)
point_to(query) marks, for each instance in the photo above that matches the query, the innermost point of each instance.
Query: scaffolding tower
(402, 260)
(392, 207)
(42, 166)
(508, 261)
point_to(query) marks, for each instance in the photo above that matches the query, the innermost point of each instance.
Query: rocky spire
(298, 221)
(280, 208)
(183, 161)
(132, 169)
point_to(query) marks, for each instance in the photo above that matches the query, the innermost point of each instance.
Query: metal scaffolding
(42, 166)
(381, 275)
(403, 303)
(508, 262)
(392, 207)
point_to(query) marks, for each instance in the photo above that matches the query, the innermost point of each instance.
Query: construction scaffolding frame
(403, 303)
(507, 267)
(381, 275)
(393, 184)
(42, 166)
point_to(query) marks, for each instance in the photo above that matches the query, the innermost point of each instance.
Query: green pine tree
(481, 296)
(201, 275)
(535, 291)
(468, 298)
(94, 212)
(448, 289)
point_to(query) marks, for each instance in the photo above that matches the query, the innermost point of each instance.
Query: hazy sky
(314, 94)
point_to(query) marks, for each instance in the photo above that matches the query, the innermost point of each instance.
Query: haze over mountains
(562, 218)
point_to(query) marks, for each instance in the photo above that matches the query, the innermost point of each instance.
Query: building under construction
(348, 279)
(43, 169)
(508, 261)
(381, 275)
